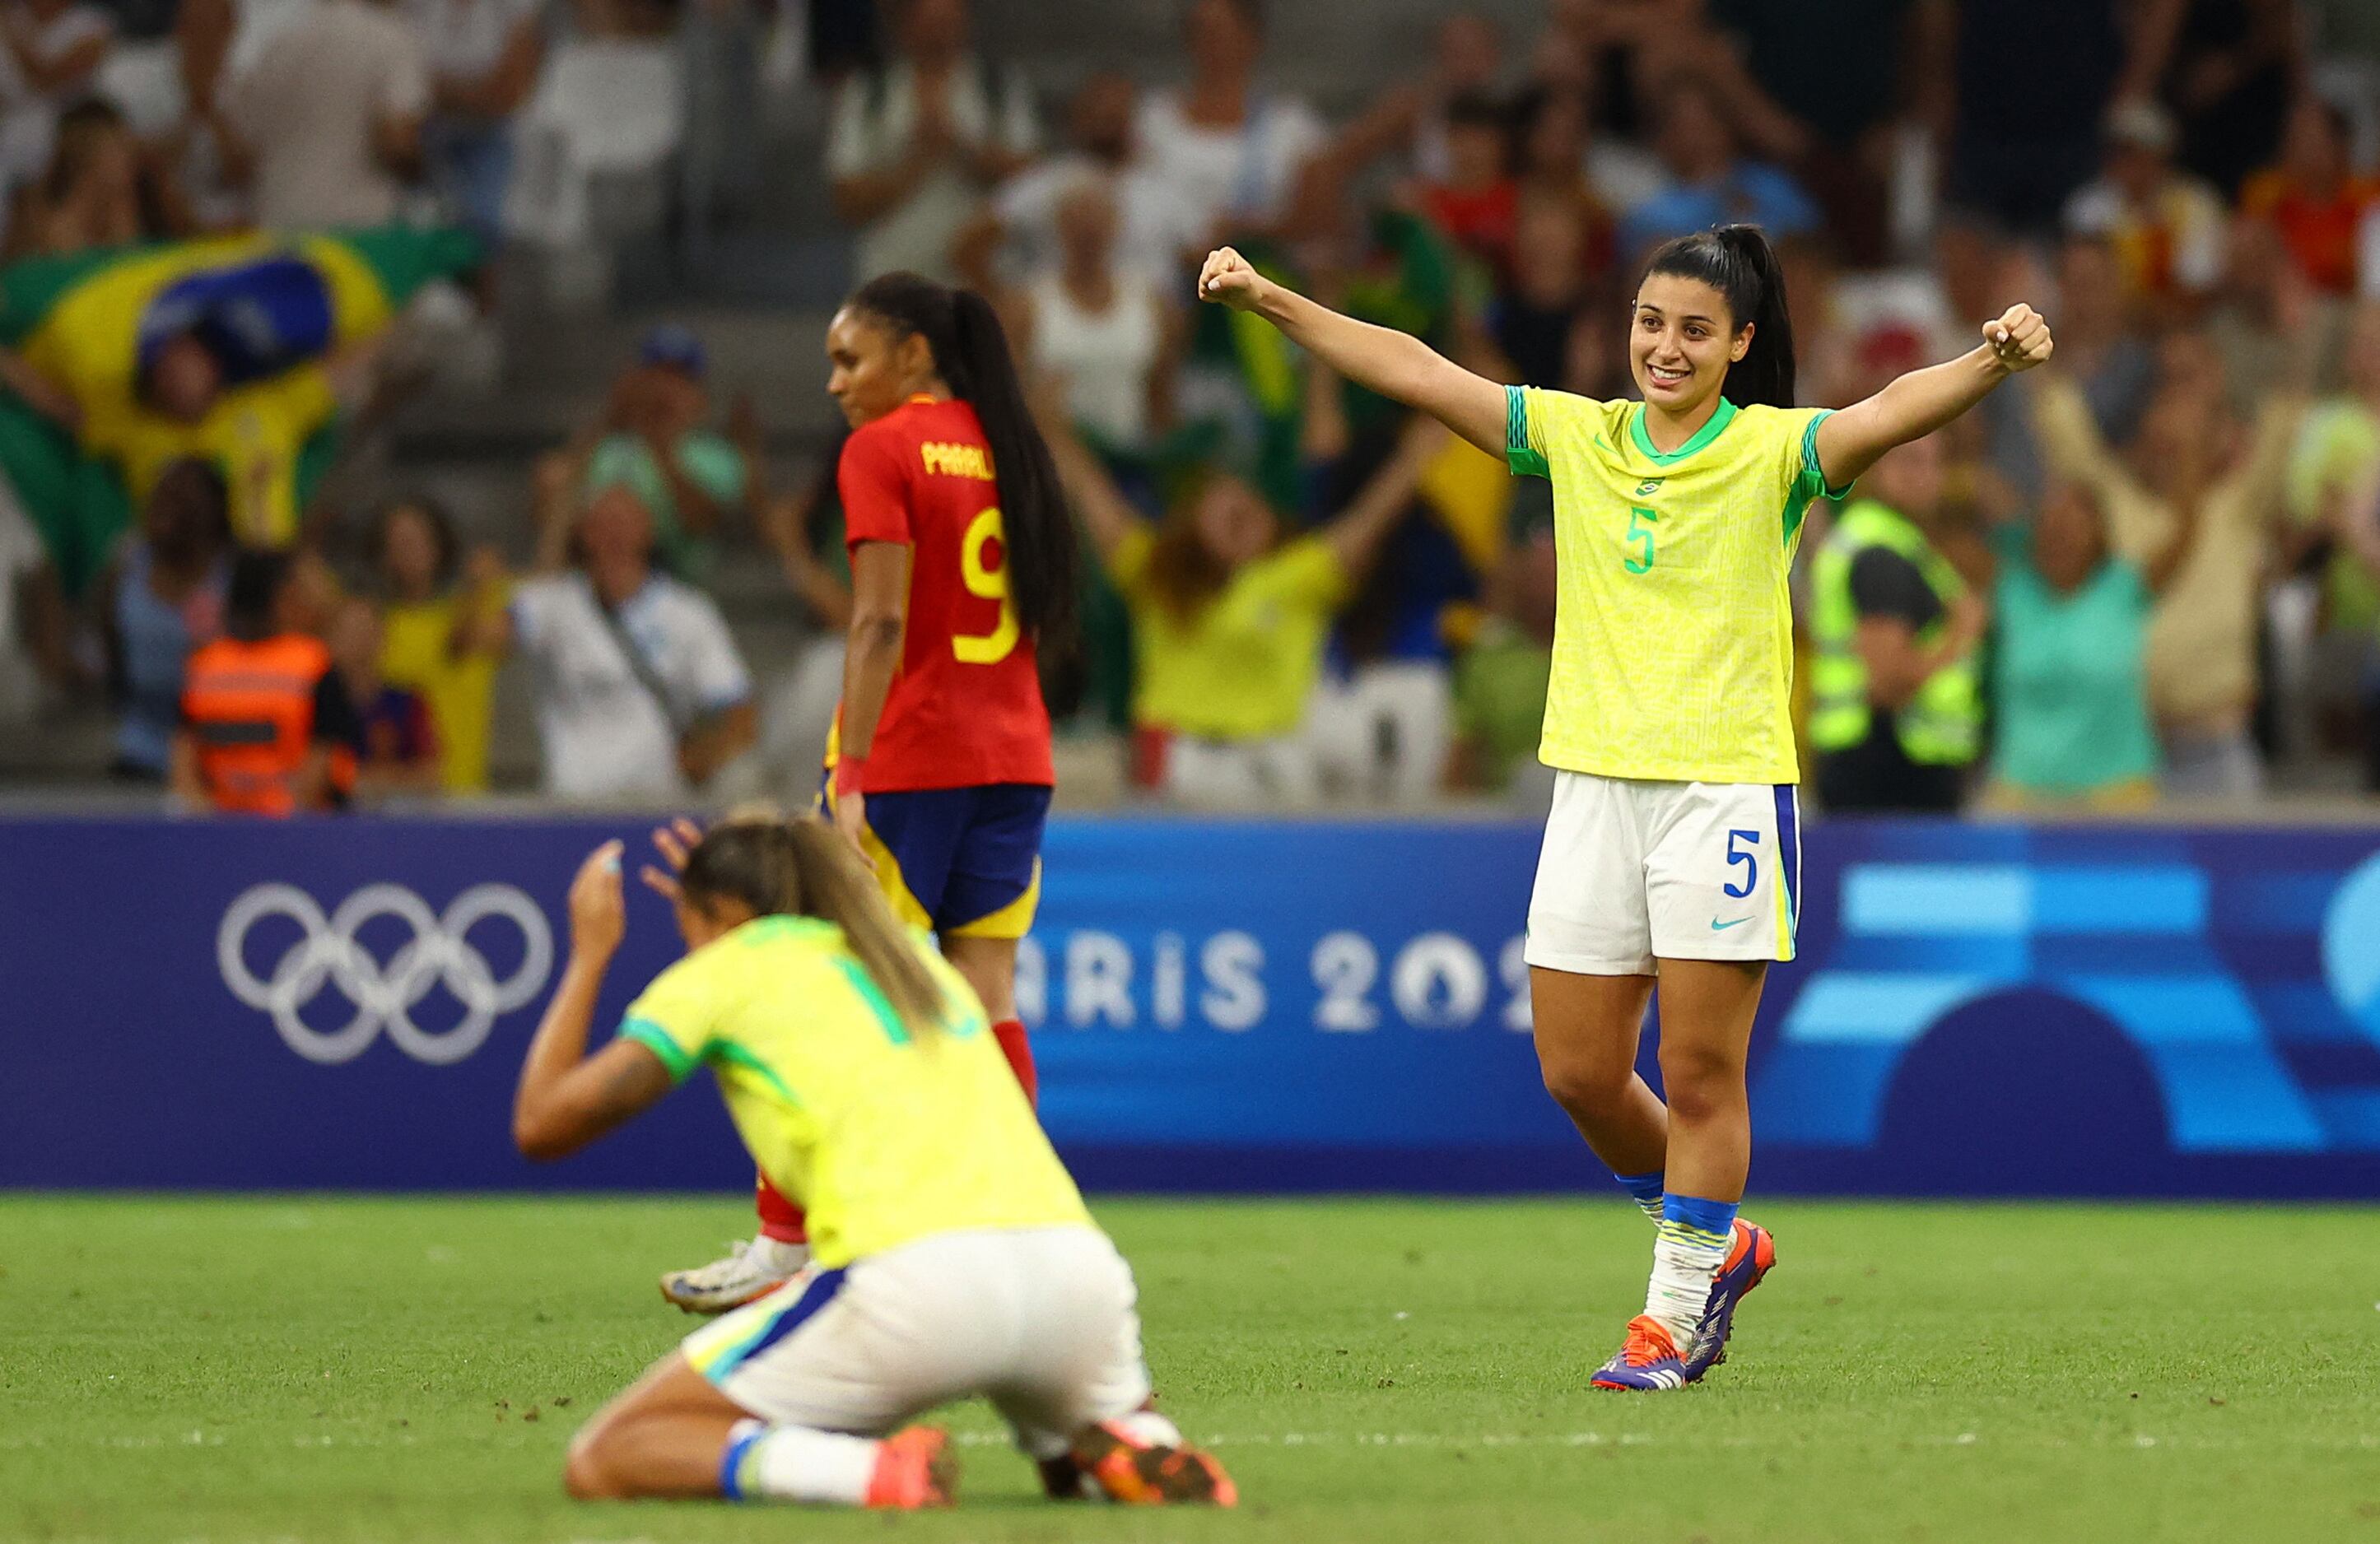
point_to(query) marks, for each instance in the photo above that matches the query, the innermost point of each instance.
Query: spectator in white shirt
(50, 50)
(1227, 151)
(331, 115)
(484, 58)
(1101, 330)
(918, 144)
(640, 691)
(1155, 237)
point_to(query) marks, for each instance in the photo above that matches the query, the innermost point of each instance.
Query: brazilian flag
(262, 304)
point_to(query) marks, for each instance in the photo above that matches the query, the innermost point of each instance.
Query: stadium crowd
(2151, 571)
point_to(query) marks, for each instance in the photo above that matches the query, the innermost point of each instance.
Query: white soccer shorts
(1041, 1321)
(1635, 872)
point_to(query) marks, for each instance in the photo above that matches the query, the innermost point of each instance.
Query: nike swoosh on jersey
(1718, 926)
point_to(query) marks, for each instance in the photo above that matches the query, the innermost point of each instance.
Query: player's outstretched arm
(1922, 401)
(1398, 367)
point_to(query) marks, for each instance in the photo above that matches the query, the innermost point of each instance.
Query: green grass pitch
(329, 1368)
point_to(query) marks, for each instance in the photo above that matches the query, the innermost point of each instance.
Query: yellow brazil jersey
(1243, 667)
(883, 1136)
(253, 434)
(1674, 631)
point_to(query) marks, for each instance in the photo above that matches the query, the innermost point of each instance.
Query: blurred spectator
(1101, 328)
(1477, 201)
(37, 662)
(1466, 61)
(2313, 197)
(445, 632)
(2070, 696)
(2325, 617)
(2260, 316)
(1228, 620)
(1154, 237)
(181, 407)
(650, 437)
(2167, 226)
(1227, 151)
(917, 143)
(50, 51)
(1502, 680)
(267, 727)
(2212, 485)
(197, 151)
(1554, 162)
(1841, 73)
(642, 692)
(2228, 68)
(396, 748)
(99, 191)
(1897, 709)
(1531, 320)
(163, 600)
(2020, 143)
(2098, 349)
(329, 118)
(484, 58)
(1711, 182)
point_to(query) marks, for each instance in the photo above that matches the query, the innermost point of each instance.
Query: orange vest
(250, 708)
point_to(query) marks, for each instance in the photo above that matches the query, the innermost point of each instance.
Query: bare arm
(720, 740)
(1922, 401)
(40, 393)
(500, 92)
(879, 622)
(1107, 516)
(1357, 535)
(2148, 52)
(189, 789)
(567, 1099)
(1402, 369)
(1898, 664)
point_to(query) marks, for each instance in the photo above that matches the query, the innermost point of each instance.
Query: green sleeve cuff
(1524, 460)
(1819, 487)
(653, 1037)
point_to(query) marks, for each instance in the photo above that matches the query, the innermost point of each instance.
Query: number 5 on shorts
(1735, 855)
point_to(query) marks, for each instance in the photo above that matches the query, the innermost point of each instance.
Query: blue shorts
(963, 862)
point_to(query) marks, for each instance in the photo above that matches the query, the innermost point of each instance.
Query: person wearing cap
(651, 438)
(2166, 226)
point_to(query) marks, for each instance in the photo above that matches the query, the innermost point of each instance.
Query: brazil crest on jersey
(1673, 633)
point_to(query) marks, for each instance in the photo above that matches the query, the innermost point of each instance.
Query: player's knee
(590, 1472)
(1701, 1086)
(1585, 1087)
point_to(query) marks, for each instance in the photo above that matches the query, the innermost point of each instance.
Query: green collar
(1711, 429)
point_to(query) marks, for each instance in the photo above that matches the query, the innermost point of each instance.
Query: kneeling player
(952, 1255)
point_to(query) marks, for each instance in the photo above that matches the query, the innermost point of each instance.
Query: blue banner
(1235, 1006)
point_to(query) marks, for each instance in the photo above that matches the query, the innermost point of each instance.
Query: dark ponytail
(971, 354)
(1737, 261)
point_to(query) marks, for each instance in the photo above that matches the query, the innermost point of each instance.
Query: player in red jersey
(962, 563)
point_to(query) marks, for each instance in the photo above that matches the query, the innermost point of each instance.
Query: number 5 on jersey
(986, 648)
(1641, 522)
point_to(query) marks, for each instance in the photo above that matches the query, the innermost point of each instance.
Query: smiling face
(1681, 341)
(869, 372)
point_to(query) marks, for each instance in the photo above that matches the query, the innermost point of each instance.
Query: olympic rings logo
(440, 952)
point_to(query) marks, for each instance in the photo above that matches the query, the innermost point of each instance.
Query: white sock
(779, 1256)
(1148, 1428)
(1685, 1261)
(797, 1464)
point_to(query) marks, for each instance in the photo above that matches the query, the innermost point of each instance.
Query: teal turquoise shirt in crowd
(2070, 696)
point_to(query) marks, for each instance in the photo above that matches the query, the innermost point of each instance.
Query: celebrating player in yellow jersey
(950, 1254)
(1672, 848)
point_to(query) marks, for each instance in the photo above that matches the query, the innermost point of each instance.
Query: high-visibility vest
(250, 708)
(1942, 724)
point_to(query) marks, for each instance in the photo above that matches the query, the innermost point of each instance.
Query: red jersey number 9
(986, 648)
